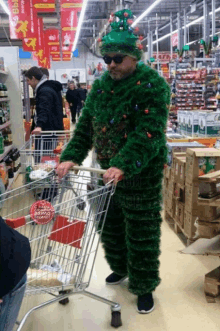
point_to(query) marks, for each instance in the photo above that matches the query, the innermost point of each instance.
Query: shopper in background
(82, 97)
(14, 262)
(73, 98)
(45, 71)
(49, 110)
(125, 118)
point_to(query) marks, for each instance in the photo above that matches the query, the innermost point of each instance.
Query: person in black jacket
(49, 109)
(73, 98)
(15, 259)
(82, 97)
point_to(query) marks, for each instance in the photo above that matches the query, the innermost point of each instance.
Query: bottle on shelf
(1, 143)
(5, 90)
(15, 156)
(7, 135)
(2, 92)
(10, 167)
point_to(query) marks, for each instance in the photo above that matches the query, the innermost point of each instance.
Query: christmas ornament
(140, 46)
(149, 85)
(136, 108)
(139, 82)
(149, 135)
(99, 91)
(138, 164)
(124, 116)
(99, 40)
(130, 21)
(125, 136)
(126, 14)
(146, 111)
(112, 92)
(112, 121)
(141, 37)
(104, 129)
(136, 29)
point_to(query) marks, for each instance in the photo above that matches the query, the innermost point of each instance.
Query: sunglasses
(117, 59)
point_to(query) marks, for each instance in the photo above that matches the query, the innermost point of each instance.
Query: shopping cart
(42, 149)
(64, 235)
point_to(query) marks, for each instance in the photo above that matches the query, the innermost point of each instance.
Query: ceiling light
(189, 24)
(146, 12)
(5, 7)
(79, 24)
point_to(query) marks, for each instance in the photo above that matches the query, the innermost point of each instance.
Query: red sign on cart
(42, 212)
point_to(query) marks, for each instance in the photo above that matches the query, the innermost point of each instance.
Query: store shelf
(2, 72)
(7, 150)
(4, 99)
(5, 125)
(12, 180)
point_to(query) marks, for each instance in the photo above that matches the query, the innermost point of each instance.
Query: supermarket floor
(180, 301)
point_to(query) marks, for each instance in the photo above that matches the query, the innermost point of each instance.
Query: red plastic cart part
(15, 223)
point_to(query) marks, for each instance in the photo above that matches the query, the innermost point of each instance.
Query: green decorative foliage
(122, 38)
(125, 122)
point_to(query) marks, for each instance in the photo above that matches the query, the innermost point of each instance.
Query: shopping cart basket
(42, 149)
(64, 235)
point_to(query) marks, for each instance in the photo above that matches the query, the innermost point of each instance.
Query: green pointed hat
(122, 38)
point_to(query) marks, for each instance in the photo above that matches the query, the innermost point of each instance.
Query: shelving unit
(7, 150)
(4, 99)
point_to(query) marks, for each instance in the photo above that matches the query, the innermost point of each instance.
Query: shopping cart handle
(98, 171)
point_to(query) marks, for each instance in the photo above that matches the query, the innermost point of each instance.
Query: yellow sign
(69, 28)
(44, 5)
(23, 28)
(53, 43)
(66, 53)
(32, 43)
(40, 53)
(72, 5)
(54, 52)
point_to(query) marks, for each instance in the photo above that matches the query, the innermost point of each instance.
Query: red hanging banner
(44, 6)
(35, 43)
(69, 20)
(21, 21)
(52, 40)
(56, 57)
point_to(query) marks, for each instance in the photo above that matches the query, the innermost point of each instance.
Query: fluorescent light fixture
(189, 24)
(146, 12)
(5, 7)
(81, 18)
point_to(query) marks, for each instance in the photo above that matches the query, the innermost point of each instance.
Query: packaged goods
(209, 124)
(174, 147)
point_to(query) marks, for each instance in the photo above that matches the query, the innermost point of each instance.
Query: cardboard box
(177, 147)
(201, 161)
(182, 120)
(207, 230)
(207, 213)
(179, 192)
(179, 213)
(189, 224)
(209, 124)
(192, 127)
(179, 169)
(212, 282)
(191, 198)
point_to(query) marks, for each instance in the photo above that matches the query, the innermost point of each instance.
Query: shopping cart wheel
(64, 301)
(116, 319)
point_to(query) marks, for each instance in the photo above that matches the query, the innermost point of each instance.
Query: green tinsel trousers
(131, 235)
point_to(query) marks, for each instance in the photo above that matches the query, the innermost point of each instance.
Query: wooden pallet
(177, 228)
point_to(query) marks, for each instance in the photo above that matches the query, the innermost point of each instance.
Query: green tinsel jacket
(125, 121)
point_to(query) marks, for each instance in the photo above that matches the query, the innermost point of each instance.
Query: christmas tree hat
(122, 39)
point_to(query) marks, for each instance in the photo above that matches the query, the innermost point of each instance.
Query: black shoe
(145, 303)
(115, 279)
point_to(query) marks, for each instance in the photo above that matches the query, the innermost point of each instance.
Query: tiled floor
(180, 301)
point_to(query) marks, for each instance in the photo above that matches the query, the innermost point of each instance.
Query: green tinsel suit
(125, 121)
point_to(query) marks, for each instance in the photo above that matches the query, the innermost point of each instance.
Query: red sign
(164, 56)
(67, 57)
(44, 6)
(42, 212)
(56, 57)
(174, 39)
(21, 20)
(35, 43)
(69, 21)
(52, 39)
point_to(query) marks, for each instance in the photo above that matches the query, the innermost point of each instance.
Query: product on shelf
(1, 143)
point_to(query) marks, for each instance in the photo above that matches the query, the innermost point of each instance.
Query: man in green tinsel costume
(125, 119)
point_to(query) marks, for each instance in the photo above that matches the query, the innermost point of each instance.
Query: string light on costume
(138, 164)
(136, 108)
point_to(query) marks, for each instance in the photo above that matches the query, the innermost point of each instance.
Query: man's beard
(119, 75)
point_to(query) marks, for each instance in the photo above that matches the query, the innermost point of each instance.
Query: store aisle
(180, 301)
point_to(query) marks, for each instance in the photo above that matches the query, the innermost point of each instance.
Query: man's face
(32, 82)
(121, 70)
(72, 86)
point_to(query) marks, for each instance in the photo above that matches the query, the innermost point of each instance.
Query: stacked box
(174, 147)
(192, 126)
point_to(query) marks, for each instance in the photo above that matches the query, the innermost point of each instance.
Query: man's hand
(37, 131)
(114, 174)
(64, 167)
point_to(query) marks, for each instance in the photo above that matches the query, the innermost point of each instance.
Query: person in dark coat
(82, 97)
(14, 261)
(49, 109)
(73, 98)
